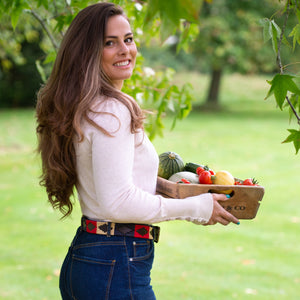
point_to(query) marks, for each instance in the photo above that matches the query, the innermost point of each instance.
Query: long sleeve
(117, 175)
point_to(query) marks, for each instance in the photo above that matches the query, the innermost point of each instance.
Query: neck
(118, 85)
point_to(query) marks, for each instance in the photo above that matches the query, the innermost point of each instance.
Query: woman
(91, 137)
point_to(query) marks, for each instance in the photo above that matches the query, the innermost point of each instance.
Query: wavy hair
(67, 97)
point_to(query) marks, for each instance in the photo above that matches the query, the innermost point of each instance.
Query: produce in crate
(172, 167)
(205, 177)
(192, 167)
(243, 203)
(169, 164)
(189, 176)
(223, 178)
(248, 181)
(245, 195)
(197, 169)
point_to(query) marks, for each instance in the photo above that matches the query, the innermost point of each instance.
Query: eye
(109, 43)
(129, 40)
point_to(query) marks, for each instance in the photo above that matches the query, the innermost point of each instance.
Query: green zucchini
(192, 167)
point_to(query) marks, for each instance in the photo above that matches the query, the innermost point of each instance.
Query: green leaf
(294, 137)
(191, 9)
(50, 58)
(271, 31)
(43, 2)
(189, 33)
(40, 70)
(276, 27)
(16, 12)
(167, 28)
(298, 14)
(296, 35)
(265, 23)
(171, 13)
(275, 32)
(280, 85)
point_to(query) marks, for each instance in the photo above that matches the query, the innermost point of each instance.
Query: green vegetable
(169, 163)
(192, 167)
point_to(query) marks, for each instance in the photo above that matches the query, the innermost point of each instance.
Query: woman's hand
(219, 214)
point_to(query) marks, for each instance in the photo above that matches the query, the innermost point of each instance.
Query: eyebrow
(115, 37)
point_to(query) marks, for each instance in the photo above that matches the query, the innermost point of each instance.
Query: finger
(223, 221)
(230, 218)
(221, 197)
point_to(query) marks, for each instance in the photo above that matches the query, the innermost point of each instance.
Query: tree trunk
(212, 99)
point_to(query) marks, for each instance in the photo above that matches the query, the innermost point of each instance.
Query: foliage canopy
(49, 19)
(284, 85)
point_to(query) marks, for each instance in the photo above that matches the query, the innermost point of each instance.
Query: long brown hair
(66, 100)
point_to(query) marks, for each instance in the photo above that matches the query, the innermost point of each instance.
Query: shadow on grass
(238, 112)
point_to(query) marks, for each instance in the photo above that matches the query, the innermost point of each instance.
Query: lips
(123, 63)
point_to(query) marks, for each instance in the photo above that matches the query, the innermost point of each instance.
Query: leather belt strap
(121, 229)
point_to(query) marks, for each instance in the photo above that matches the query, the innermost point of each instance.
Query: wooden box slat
(243, 204)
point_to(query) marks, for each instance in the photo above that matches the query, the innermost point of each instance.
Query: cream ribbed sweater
(117, 175)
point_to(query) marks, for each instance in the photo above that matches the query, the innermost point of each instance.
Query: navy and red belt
(120, 229)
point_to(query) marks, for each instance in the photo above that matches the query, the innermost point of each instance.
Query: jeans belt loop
(156, 234)
(109, 225)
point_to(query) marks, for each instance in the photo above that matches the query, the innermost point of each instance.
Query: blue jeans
(107, 268)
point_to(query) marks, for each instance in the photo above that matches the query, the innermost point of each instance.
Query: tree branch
(279, 58)
(281, 37)
(43, 24)
(293, 109)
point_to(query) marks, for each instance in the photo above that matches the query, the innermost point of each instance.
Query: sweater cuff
(197, 209)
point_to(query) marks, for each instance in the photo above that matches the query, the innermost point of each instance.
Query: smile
(122, 63)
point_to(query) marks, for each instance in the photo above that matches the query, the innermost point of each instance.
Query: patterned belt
(121, 229)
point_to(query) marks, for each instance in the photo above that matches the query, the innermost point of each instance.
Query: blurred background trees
(230, 40)
(19, 51)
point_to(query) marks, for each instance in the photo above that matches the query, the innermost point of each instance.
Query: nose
(123, 48)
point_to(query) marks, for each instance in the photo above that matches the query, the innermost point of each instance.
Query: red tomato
(184, 180)
(248, 181)
(199, 170)
(205, 177)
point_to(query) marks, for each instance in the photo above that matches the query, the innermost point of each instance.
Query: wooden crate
(243, 204)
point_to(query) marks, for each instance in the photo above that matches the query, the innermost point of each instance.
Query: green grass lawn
(259, 259)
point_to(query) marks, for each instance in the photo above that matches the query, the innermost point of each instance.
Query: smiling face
(119, 53)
